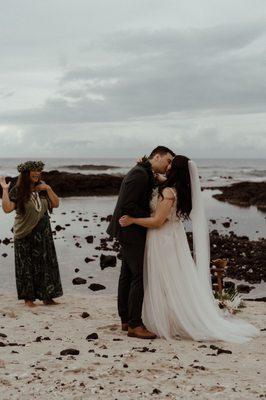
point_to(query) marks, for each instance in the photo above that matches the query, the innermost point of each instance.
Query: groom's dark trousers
(133, 200)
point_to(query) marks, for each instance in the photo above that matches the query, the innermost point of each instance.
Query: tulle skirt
(175, 304)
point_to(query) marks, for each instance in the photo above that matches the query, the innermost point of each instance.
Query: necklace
(35, 198)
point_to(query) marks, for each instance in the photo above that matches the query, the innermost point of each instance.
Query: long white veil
(201, 239)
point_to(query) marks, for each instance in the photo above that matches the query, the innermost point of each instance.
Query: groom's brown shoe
(140, 332)
(125, 327)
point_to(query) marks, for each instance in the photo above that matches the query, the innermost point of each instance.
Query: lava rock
(226, 224)
(89, 239)
(107, 261)
(87, 260)
(244, 194)
(59, 228)
(79, 281)
(92, 336)
(156, 391)
(69, 352)
(242, 288)
(85, 314)
(221, 351)
(96, 286)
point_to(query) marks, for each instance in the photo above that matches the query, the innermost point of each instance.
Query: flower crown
(31, 166)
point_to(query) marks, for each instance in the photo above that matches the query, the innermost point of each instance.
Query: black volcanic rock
(107, 261)
(85, 314)
(107, 219)
(242, 288)
(87, 260)
(69, 352)
(67, 184)
(246, 258)
(244, 194)
(226, 224)
(89, 239)
(90, 167)
(96, 286)
(223, 351)
(79, 281)
(59, 228)
(92, 336)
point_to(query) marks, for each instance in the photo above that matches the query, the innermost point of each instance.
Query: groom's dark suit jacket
(134, 198)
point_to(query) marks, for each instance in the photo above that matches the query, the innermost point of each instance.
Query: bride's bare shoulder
(169, 193)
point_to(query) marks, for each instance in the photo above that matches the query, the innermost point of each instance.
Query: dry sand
(115, 366)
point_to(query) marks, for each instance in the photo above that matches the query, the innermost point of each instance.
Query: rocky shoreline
(244, 194)
(246, 258)
(90, 167)
(67, 184)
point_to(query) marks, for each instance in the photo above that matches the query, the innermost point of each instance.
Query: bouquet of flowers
(230, 300)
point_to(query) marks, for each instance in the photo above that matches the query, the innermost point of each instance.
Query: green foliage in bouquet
(231, 300)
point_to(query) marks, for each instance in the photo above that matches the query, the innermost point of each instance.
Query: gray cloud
(171, 71)
(102, 82)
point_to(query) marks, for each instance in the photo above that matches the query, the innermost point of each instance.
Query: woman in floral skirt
(37, 271)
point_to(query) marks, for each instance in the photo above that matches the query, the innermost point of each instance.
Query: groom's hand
(126, 220)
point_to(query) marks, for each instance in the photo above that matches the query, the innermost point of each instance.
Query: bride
(178, 297)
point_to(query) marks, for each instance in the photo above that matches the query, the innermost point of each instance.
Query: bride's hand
(126, 220)
(3, 183)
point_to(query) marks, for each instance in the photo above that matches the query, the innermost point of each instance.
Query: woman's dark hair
(23, 187)
(162, 150)
(178, 177)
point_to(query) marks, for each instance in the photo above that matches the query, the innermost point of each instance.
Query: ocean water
(245, 221)
(213, 171)
(81, 216)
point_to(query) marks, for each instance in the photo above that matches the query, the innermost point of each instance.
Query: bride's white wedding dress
(175, 300)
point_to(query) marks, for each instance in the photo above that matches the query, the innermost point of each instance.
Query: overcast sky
(94, 78)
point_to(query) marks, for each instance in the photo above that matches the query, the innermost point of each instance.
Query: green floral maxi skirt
(37, 271)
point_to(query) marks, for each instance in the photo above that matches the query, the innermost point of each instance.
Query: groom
(134, 198)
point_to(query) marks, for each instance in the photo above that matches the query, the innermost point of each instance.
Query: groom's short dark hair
(162, 150)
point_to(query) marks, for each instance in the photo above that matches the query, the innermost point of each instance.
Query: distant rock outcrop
(244, 194)
(67, 184)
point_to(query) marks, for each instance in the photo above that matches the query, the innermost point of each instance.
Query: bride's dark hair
(178, 177)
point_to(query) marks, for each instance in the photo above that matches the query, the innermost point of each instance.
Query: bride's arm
(158, 219)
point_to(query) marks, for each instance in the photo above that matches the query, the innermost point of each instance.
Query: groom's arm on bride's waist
(135, 186)
(158, 219)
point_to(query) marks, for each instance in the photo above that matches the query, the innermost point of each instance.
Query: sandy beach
(114, 366)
